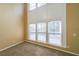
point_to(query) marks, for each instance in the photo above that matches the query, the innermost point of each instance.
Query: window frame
(42, 32)
(63, 43)
(52, 33)
(30, 7)
(36, 5)
(32, 32)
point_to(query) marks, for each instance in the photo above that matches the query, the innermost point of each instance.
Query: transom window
(35, 5)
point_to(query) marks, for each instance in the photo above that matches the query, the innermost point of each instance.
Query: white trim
(11, 46)
(53, 47)
(38, 44)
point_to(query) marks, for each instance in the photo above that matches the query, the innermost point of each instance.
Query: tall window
(35, 5)
(54, 32)
(32, 31)
(41, 32)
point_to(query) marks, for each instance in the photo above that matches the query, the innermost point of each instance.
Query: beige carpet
(28, 49)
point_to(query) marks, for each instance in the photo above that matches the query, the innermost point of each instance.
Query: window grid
(46, 33)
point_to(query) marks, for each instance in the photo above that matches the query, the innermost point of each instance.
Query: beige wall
(11, 26)
(72, 26)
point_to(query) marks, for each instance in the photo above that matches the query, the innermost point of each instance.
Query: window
(41, 32)
(32, 6)
(47, 27)
(32, 31)
(40, 4)
(54, 32)
(35, 5)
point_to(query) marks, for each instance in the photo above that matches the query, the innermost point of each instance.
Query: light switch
(74, 34)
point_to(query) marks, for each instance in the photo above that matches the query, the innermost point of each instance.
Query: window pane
(40, 4)
(54, 27)
(32, 28)
(32, 36)
(55, 39)
(32, 6)
(41, 27)
(41, 37)
(32, 31)
(54, 32)
(41, 32)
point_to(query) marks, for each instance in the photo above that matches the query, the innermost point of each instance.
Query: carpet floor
(28, 49)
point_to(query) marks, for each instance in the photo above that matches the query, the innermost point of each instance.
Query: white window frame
(63, 35)
(32, 32)
(42, 32)
(51, 33)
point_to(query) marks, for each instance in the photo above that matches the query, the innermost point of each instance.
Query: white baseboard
(41, 45)
(11, 46)
(53, 48)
